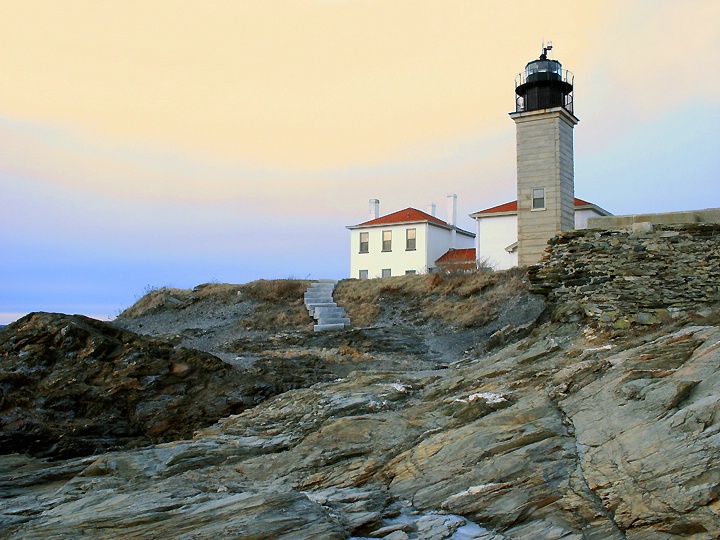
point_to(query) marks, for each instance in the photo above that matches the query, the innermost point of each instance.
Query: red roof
(512, 207)
(403, 216)
(458, 255)
(507, 207)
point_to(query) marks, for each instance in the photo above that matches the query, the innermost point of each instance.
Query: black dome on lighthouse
(543, 85)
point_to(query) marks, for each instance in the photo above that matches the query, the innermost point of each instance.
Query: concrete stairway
(321, 306)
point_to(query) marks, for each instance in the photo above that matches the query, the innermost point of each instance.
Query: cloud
(282, 84)
(118, 174)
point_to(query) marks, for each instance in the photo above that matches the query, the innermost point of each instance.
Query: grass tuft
(464, 299)
(154, 299)
(276, 290)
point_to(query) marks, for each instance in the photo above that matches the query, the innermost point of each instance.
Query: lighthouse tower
(544, 123)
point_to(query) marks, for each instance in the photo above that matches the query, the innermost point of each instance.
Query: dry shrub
(280, 304)
(361, 300)
(364, 314)
(273, 318)
(435, 281)
(461, 298)
(476, 283)
(221, 291)
(476, 300)
(276, 290)
(156, 299)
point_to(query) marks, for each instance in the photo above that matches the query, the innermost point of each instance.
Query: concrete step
(321, 306)
(323, 286)
(330, 311)
(314, 301)
(322, 321)
(326, 327)
(317, 294)
(319, 291)
(320, 303)
(325, 302)
(312, 307)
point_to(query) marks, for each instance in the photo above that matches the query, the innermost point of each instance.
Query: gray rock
(574, 431)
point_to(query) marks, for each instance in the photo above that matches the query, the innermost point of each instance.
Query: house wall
(582, 216)
(398, 260)
(494, 234)
(431, 243)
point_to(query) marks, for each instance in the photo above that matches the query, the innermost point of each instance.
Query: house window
(364, 242)
(387, 241)
(410, 235)
(410, 272)
(538, 202)
(363, 274)
(386, 272)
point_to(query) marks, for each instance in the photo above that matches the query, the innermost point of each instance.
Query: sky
(172, 143)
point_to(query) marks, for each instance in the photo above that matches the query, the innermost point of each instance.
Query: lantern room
(543, 85)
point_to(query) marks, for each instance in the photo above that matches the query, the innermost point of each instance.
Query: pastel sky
(173, 143)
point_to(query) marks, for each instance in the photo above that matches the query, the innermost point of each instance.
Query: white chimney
(452, 209)
(432, 208)
(452, 218)
(374, 208)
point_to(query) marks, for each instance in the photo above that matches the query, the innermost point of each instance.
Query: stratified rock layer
(565, 434)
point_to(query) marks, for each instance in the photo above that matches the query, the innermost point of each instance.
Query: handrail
(565, 76)
(541, 100)
(567, 104)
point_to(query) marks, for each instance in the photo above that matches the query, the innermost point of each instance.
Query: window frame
(366, 243)
(542, 198)
(387, 243)
(363, 274)
(386, 272)
(408, 239)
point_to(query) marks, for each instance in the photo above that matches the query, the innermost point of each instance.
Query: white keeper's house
(496, 240)
(405, 242)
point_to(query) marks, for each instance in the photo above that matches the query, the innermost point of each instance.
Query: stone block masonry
(641, 275)
(544, 161)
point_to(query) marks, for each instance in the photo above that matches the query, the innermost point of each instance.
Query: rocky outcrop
(73, 386)
(647, 435)
(564, 434)
(643, 275)
(564, 430)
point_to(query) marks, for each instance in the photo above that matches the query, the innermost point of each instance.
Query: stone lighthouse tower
(544, 123)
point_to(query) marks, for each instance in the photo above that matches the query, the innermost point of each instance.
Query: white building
(497, 232)
(405, 242)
